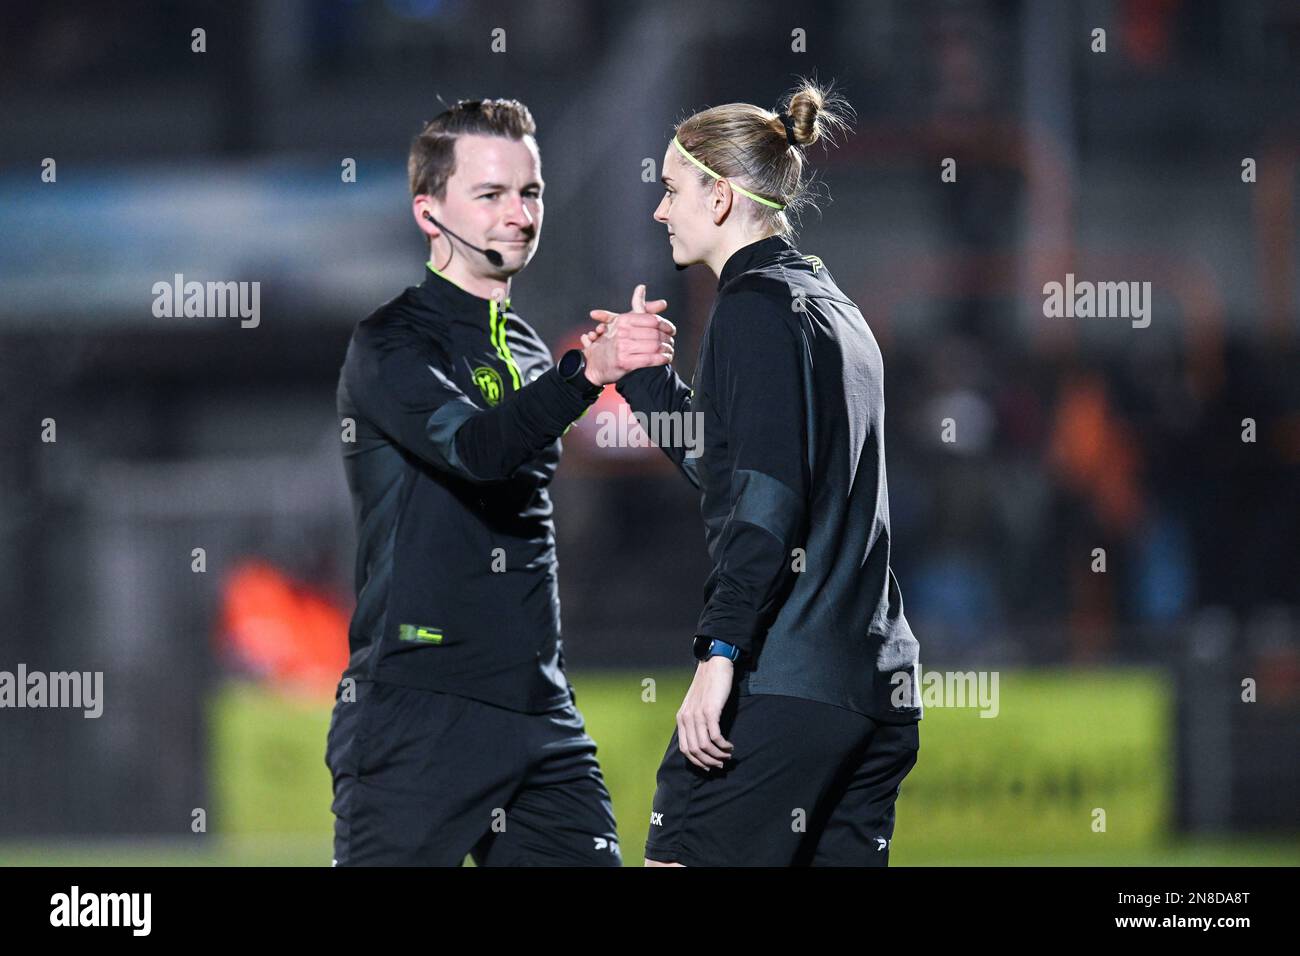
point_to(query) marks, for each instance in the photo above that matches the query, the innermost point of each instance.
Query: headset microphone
(491, 255)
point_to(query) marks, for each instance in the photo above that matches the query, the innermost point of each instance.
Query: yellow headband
(744, 192)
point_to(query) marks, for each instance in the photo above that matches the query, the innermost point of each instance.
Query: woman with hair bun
(803, 707)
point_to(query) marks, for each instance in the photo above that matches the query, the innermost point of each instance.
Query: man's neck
(729, 246)
(485, 287)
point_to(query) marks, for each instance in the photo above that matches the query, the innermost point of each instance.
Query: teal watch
(706, 647)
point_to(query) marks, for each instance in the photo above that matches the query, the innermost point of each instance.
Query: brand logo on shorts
(881, 844)
(603, 844)
(656, 819)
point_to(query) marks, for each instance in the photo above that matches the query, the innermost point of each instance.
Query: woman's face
(685, 210)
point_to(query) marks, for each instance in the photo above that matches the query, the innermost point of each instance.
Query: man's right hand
(628, 340)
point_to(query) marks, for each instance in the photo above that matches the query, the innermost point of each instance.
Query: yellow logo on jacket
(488, 381)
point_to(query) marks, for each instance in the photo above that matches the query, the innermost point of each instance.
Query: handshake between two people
(624, 341)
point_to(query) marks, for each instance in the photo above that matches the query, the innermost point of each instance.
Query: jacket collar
(747, 257)
(445, 292)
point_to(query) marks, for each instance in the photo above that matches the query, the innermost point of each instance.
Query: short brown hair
(748, 144)
(433, 152)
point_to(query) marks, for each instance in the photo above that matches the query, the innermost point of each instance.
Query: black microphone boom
(491, 255)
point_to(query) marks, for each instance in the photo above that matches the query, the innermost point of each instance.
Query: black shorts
(422, 778)
(808, 784)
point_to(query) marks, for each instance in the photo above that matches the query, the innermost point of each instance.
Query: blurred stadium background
(1118, 690)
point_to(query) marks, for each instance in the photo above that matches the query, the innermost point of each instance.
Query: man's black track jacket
(457, 411)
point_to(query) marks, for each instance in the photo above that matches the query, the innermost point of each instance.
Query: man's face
(494, 200)
(685, 210)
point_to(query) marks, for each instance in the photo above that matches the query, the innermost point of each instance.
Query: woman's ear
(720, 199)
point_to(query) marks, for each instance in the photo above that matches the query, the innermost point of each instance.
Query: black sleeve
(397, 384)
(659, 390)
(759, 380)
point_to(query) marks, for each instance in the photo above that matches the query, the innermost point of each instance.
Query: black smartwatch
(573, 365)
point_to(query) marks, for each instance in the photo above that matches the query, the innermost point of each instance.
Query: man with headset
(455, 729)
